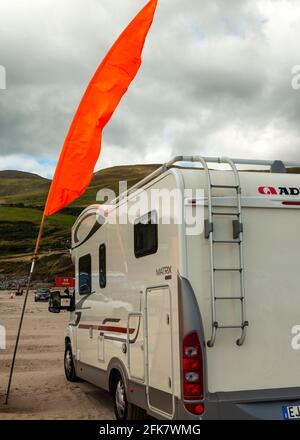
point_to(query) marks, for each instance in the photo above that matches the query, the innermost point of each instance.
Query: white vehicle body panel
(136, 303)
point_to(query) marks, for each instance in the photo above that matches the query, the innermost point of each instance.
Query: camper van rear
(188, 325)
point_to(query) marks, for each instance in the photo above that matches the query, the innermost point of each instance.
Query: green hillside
(22, 197)
(19, 228)
(17, 187)
(110, 177)
(20, 187)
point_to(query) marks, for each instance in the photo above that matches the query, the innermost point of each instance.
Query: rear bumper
(245, 405)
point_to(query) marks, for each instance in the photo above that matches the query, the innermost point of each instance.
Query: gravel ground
(39, 389)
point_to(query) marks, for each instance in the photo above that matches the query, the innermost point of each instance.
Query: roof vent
(278, 167)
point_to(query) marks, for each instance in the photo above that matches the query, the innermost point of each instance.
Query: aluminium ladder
(209, 227)
(237, 241)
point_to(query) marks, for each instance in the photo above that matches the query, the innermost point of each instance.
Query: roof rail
(257, 162)
(273, 164)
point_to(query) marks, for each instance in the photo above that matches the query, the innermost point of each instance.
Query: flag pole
(33, 260)
(118, 69)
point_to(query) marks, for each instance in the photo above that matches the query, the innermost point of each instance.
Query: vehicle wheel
(69, 364)
(123, 409)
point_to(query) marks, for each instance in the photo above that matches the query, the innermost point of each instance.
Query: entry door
(159, 350)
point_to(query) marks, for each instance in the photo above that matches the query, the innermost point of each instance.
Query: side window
(102, 266)
(146, 235)
(85, 275)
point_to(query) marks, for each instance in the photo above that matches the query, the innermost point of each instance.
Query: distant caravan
(182, 325)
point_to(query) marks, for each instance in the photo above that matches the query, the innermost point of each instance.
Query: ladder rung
(230, 326)
(241, 298)
(228, 270)
(228, 241)
(226, 213)
(225, 186)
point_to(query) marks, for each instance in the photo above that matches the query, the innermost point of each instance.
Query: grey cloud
(215, 78)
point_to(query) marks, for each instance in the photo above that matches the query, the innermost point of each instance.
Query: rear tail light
(192, 391)
(191, 351)
(192, 365)
(191, 376)
(195, 408)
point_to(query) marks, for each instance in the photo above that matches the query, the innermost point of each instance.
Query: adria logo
(267, 190)
(280, 191)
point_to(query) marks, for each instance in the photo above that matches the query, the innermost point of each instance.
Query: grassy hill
(20, 188)
(22, 197)
(19, 228)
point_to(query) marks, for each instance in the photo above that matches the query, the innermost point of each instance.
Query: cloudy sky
(215, 80)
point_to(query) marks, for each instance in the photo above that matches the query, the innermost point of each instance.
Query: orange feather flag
(82, 145)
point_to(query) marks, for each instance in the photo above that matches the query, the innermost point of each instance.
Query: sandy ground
(39, 389)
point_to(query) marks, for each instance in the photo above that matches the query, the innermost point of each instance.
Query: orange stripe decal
(107, 328)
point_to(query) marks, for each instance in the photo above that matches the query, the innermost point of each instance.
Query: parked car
(42, 294)
(19, 292)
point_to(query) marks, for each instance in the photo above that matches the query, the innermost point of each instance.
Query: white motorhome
(185, 326)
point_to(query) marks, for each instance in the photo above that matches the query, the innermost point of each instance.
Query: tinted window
(146, 235)
(85, 275)
(102, 266)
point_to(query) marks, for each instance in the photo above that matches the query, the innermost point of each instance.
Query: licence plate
(291, 412)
